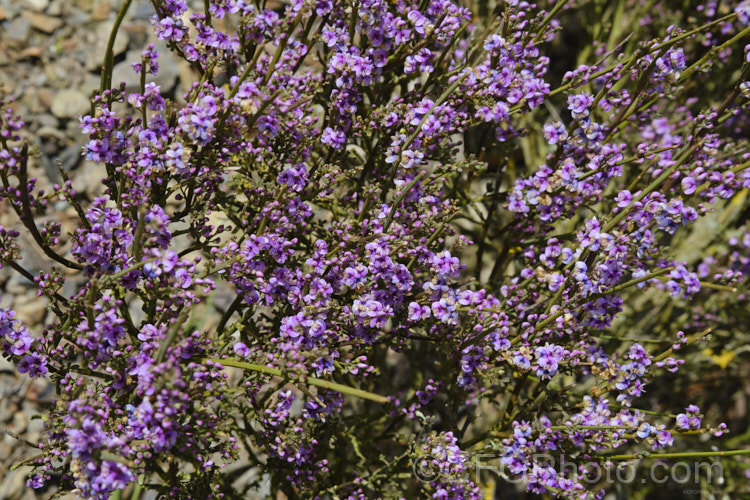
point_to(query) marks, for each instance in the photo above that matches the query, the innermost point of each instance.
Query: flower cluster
(374, 240)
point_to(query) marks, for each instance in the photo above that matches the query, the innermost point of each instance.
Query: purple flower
(522, 358)
(446, 265)
(332, 191)
(554, 132)
(644, 431)
(34, 364)
(334, 137)
(418, 312)
(21, 344)
(169, 29)
(688, 185)
(241, 350)
(547, 358)
(663, 439)
(148, 332)
(624, 198)
(110, 477)
(579, 105)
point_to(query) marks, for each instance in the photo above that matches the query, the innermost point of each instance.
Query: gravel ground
(50, 58)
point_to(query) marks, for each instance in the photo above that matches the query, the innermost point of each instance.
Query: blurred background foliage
(716, 373)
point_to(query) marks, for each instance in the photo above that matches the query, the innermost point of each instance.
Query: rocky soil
(50, 59)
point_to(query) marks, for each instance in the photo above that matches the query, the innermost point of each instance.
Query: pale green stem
(325, 384)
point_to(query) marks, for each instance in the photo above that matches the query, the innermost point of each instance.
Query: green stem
(685, 74)
(612, 290)
(632, 282)
(548, 18)
(262, 108)
(626, 161)
(716, 286)
(108, 55)
(325, 384)
(139, 233)
(687, 454)
(693, 67)
(144, 106)
(435, 235)
(171, 335)
(280, 49)
(228, 314)
(264, 221)
(27, 216)
(224, 265)
(591, 427)
(651, 187)
(443, 97)
(691, 340)
(111, 279)
(400, 198)
(631, 339)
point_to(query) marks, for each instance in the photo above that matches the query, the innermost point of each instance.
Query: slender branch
(26, 274)
(318, 382)
(28, 218)
(691, 340)
(400, 198)
(229, 312)
(687, 454)
(108, 55)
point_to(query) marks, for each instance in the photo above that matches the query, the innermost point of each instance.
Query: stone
(35, 261)
(100, 11)
(48, 147)
(46, 97)
(140, 35)
(35, 426)
(91, 83)
(187, 76)
(143, 11)
(67, 46)
(55, 8)
(77, 20)
(18, 30)
(19, 423)
(45, 119)
(31, 309)
(36, 79)
(99, 41)
(3, 14)
(5, 414)
(121, 41)
(73, 128)
(47, 132)
(39, 390)
(30, 99)
(30, 53)
(37, 5)
(15, 481)
(69, 103)
(166, 77)
(71, 156)
(88, 178)
(42, 22)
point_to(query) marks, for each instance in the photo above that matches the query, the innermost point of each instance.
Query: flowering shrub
(438, 245)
